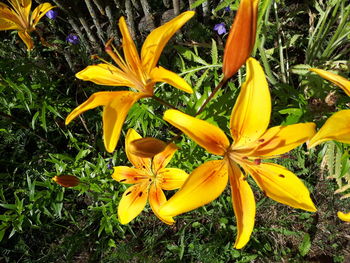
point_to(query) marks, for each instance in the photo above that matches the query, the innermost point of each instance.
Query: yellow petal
(105, 74)
(147, 147)
(281, 139)
(22, 6)
(8, 19)
(203, 185)
(158, 38)
(171, 178)
(156, 199)
(243, 205)
(282, 185)
(133, 202)
(24, 35)
(160, 74)
(138, 162)
(337, 128)
(162, 159)
(39, 12)
(241, 38)
(128, 175)
(251, 114)
(130, 52)
(114, 115)
(343, 216)
(210, 137)
(341, 82)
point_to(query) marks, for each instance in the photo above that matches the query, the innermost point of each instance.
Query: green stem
(161, 101)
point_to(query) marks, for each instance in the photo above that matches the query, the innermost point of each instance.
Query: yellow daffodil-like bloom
(139, 73)
(149, 176)
(18, 17)
(252, 142)
(337, 127)
(241, 39)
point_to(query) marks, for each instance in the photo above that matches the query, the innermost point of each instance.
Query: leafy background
(43, 222)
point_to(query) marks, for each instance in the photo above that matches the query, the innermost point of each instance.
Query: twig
(148, 15)
(176, 6)
(95, 20)
(130, 17)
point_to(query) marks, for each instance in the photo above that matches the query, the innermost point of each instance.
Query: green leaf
(214, 52)
(305, 245)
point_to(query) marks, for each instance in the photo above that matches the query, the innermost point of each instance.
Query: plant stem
(161, 101)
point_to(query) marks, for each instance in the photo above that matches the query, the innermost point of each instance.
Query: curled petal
(341, 82)
(146, 147)
(282, 185)
(8, 19)
(281, 139)
(203, 185)
(160, 74)
(343, 216)
(137, 161)
(210, 137)
(243, 205)
(105, 74)
(22, 6)
(158, 38)
(66, 180)
(251, 114)
(337, 128)
(133, 202)
(128, 175)
(241, 38)
(156, 199)
(39, 12)
(162, 159)
(24, 35)
(171, 178)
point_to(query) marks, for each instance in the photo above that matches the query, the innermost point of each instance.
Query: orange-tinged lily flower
(18, 17)
(139, 73)
(241, 38)
(66, 180)
(149, 177)
(337, 127)
(252, 142)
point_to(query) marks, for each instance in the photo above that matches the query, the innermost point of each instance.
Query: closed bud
(66, 180)
(241, 39)
(147, 147)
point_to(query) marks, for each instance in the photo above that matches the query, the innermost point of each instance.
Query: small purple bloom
(220, 28)
(52, 14)
(73, 39)
(227, 9)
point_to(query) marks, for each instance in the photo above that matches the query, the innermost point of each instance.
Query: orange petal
(210, 137)
(162, 159)
(130, 52)
(251, 114)
(241, 38)
(282, 185)
(341, 82)
(39, 12)
(24, 35)
(281, 139)
(105, 74)
(137, 161)
(243, 205)
(133, 202)
(146, 147)
(171, 178)
(66, 180)
(203, 185)
(22, 7)
(128, 175)
(156, 199)
(9, 19)
(337, 128)
(158, 38)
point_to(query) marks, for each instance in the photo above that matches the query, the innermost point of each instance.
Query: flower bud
(66, 180)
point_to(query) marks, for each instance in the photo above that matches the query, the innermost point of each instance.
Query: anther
(257, 161)
(245, 158)
(122, 180)
(261, 140)
(140, 194)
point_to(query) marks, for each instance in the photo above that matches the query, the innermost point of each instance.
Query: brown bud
(66, 180)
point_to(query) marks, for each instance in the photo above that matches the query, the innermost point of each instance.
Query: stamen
(281, 175)
(261, 140)
(245, 158)
(140, 194)
(122, 180)
(257, 161)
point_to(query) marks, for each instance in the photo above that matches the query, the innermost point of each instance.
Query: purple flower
(52, 14)
(73, 39)
(227, 9)
(220, 28)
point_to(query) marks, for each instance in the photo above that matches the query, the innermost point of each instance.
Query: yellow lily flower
(344, 216)
(252, 142)
(18, 17)
(139, 73)
(241, 39)
(337, 126)
(149, 177)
